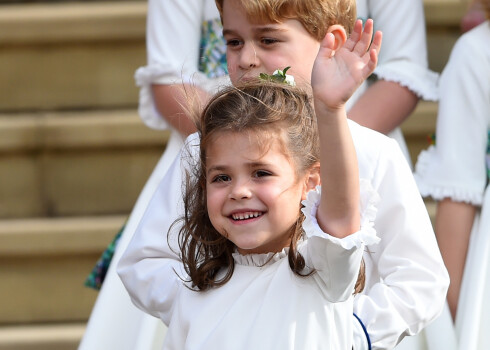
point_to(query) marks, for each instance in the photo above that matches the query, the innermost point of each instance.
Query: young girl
(455, 173)
(267, 263)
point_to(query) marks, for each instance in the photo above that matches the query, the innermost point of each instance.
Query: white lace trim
(420, 80)
(366, 235)
(437, 191)
(259, 259)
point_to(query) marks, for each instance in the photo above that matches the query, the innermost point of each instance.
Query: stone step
(74, 163)
(45, 263)
(90, 63)
(64, 336)
(71, 55)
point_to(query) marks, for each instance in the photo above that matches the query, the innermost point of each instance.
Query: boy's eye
(269, 41)
(233, 42)
(221, 178)
(262, 173)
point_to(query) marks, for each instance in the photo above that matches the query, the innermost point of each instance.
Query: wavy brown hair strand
(265, 111)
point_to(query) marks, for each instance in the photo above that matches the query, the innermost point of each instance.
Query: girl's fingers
(371, 64)
(354, 36)
(376, 44)
(364, 42)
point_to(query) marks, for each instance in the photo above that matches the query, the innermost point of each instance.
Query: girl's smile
(246, 215)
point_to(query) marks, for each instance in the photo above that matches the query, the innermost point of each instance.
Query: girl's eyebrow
(218, 168)
(224, 168)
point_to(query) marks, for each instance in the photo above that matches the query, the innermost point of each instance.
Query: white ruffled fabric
(431, 185)
(420, 80)
(259, 259)
(366, 235)
(403, 57)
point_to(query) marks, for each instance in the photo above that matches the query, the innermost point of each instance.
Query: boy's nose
(248, 56)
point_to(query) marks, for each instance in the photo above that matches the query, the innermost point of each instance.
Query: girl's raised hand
(338, 73)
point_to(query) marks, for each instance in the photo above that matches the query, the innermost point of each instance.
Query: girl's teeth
(244, 216)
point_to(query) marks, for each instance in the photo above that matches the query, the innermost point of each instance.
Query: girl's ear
(340, 35)
(312, 179)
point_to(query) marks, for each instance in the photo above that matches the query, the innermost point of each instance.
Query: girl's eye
(221, 178)
(262, 173)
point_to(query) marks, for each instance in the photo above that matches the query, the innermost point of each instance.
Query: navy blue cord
(365, 331)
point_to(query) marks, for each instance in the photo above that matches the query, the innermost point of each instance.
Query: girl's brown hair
(315, 15)
(268, 112)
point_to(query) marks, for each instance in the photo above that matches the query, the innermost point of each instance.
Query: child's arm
(169, 101)
(337, 73)
(173, 40)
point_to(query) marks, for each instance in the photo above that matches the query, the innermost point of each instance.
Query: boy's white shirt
(406, 280)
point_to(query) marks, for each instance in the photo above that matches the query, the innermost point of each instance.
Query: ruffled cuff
(157, 74)
(420, 80)
(365, 236)
(437, 190)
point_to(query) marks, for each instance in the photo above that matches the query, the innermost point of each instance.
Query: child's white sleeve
(455, 167)
(403, 57)
(337, 260)
(173, 31)
(150, 267)
(407, 281)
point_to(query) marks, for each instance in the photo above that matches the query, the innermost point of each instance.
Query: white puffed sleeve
(406, 281)
(150, 266)
(173, 40)
(403, 57)
(335, 260)
(455, 167)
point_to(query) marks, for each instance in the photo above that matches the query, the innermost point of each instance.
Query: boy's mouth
(246, 215)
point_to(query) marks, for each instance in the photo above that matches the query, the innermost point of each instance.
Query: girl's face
(253, 197)
(254, 48)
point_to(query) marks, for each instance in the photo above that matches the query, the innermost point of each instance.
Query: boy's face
(254, 48)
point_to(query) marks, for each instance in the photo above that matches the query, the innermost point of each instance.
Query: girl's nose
(240, 190)
(248, 56)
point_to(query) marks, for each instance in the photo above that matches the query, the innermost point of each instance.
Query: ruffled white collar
(259, 259)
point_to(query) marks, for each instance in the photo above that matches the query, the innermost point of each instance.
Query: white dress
(265, 305)
(406, 281)
(456, 168)
(173, 56)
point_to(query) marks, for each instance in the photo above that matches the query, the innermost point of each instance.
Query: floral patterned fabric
(97, 276)
(212, 60)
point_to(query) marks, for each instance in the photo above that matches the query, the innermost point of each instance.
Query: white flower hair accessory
(279, 76)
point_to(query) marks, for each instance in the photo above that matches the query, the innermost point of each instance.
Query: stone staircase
(74, 154)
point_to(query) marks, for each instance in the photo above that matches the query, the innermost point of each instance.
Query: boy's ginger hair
(486, 8)
(315, 15)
